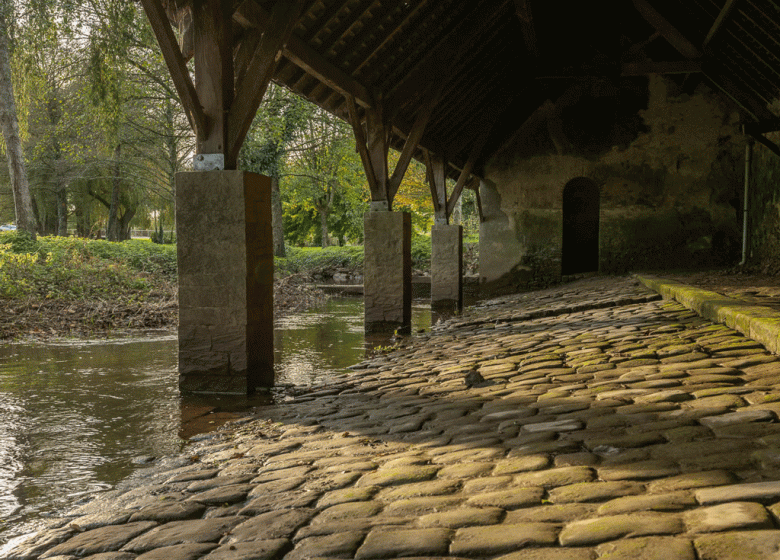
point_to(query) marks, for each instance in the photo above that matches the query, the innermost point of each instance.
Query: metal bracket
(379, 206)
(208, 162)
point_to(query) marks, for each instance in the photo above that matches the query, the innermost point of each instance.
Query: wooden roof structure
(456, 78)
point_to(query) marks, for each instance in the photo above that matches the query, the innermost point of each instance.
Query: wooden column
(223, 216)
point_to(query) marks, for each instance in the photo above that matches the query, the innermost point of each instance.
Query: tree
(325, 172)
(280, 118)
(25, 220)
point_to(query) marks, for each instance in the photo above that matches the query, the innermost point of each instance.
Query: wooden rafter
(250, 91)
(465, 174)
(305, 57)
(414, 137)
(746, 102)
(667, 30)
(525, 15)
(177, 66)
(719, 21)
(435, 172)
(670, 67)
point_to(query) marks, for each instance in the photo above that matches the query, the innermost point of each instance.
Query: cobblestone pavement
(591, 421)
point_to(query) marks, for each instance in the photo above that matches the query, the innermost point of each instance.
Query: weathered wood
(774, 148)
(413, 139)
(306, 58)
(213, 70)
(671, 67)
(430, 180)
(250, 91)
(377, 142)
(479, 205)
(437, 178)
(525, 15)
(360, 141)
(465, 174)
(667, 30)
(176, 63)
(719, 21)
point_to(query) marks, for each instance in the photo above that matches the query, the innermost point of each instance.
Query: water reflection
(76, 417)
(73, 417)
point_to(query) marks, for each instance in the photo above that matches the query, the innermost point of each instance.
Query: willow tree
(25, 218)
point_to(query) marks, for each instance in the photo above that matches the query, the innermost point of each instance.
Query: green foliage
(315, 259)
(70, 269)
(421, 252)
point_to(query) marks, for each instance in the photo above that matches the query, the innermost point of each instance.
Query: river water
(78, 417)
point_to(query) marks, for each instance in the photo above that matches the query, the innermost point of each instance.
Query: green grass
(72, 269)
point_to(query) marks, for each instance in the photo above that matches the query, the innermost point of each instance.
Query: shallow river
(76, 418)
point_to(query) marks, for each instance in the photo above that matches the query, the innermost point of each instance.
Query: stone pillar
(387, 271)
(225, 256)
(447, 267)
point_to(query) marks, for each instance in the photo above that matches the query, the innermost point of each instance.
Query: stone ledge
(756, 322)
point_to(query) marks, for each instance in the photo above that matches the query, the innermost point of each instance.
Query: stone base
(387, 272)
(225, 259)
(447, 267)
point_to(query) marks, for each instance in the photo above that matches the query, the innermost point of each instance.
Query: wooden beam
(428, 161)
(465, 174)
(719, 21)
(667, 30)
(479, 205)
(413, 139)
(306, 58)
(763, 126)
(437, 179)
(525, 15)
(174, 59)
(749, 105)
(377, 145)
(774, 148)
(362, 147)
(250, 91)
(670, 67)
(212, 32)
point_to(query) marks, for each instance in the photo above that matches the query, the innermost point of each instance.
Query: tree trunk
(324, 226)
(124, 224)
(25, 219)
(277, 223)
(62, 208)
(113, 232)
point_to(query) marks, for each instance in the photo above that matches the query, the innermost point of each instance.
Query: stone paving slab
(608, 424)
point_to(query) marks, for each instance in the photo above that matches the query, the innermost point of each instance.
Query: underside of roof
(489, 64)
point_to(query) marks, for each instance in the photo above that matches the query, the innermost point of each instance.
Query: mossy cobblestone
(612, 426)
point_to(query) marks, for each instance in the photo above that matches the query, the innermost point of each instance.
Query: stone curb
(756, 322)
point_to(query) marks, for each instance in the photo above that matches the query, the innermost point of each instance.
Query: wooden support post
(437, 180)
(213, 38)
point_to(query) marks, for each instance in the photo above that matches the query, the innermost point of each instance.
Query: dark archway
(580, 227)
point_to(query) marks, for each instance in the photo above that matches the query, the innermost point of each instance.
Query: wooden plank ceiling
(487, 65)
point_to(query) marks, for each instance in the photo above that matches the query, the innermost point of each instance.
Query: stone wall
(764, 210)
(668, 166)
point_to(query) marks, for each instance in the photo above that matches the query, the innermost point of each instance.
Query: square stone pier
(387, 271)
(225, 260)
(447, 267)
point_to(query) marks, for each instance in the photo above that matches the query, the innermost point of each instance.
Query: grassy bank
(67, 286)
(79, 287)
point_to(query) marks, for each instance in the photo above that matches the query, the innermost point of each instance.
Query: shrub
(69, 268)
(315, 260)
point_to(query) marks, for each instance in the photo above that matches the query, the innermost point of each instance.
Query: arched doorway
(580, 246)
